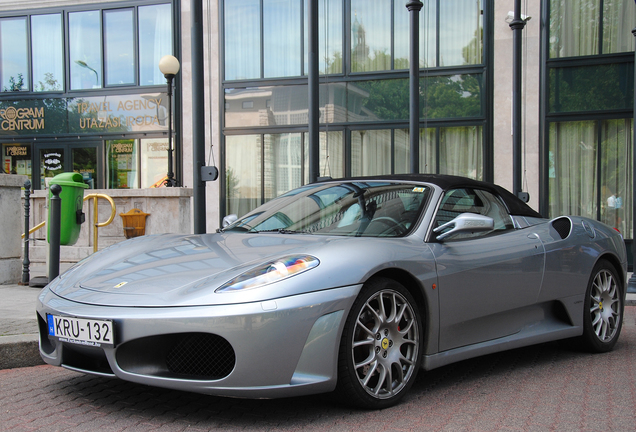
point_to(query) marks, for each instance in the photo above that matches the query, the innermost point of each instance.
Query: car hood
(185, 270)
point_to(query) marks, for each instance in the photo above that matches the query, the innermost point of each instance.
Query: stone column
(11, 226)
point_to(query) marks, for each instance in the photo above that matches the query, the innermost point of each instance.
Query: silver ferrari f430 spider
(346, 285)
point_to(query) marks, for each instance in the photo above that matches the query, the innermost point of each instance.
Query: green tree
(15, 84)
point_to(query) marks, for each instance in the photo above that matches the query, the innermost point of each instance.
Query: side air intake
(563, 227)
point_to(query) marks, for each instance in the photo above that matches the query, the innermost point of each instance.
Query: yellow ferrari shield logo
(385, 343)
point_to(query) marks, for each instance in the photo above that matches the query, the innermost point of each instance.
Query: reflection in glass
(155, 41)
(283, 163)
(85, 162)
(282, 105)
(14, 64)
(119, 43)
(370, 35)
(281, 38)
(591, 88)
(616, 175)
(428, 33)
(461, 32)
(17, 159)
(451, 96)
(154, 162)
(574, 27)
(47, 56)
(85, 49)
(331, 155)
(402, 151)
(51, 164)
(121, 164)
(370, 152)
(242, 39)
(461, 151)
(618, 21)
(330, 36)
(572, 170)
(243, 173)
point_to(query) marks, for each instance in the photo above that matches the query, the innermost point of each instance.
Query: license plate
(81, 331)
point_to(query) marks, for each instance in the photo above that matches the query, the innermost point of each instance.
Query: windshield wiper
(283, 231)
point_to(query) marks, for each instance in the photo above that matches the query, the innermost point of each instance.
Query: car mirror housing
(466, 223)
(229, 220)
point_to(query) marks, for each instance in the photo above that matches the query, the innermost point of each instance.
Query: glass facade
(103, 85)
(363, 92)
(589, 110)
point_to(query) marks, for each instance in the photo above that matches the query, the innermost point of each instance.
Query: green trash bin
(72, 196)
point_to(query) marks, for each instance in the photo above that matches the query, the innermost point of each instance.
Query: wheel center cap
(385, 343)
(600, 305)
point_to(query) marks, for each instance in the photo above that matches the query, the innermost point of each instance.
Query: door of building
(55, 158)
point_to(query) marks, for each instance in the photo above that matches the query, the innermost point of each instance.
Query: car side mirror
(466, 223)
(229, 220)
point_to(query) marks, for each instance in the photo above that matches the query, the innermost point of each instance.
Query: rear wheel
(603, 312)
(380, 347)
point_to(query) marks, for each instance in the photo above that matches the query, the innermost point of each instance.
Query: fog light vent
(201, 355)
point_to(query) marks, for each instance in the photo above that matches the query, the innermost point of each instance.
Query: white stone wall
(12, 224)
(169, 211)
(502, 145)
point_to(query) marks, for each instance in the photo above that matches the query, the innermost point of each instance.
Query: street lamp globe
(169, 65)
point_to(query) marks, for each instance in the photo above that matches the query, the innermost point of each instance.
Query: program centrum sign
(85, 115)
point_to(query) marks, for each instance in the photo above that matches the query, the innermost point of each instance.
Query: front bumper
(279, 348)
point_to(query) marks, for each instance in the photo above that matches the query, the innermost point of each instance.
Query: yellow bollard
(96, 224)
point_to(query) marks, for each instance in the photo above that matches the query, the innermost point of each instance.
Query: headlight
(270, 272)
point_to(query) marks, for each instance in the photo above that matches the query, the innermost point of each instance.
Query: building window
(155, 41)
(590, 171)
(119, 43)
(590, 99)
(14, 60)
(17, 159)
(47, 53)
(85, 49)
(576, 27)
(121, 164)
(132, 163)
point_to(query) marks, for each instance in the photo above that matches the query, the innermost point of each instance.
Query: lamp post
(631, 283)
(169, 66)
(414, 8)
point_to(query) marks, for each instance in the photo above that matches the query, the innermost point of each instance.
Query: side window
(466, 200)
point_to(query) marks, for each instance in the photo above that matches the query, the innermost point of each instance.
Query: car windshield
(366, 209)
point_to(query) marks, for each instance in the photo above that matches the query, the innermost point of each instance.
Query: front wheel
(380, 347)
(604, 306)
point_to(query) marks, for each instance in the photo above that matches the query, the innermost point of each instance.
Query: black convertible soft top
(515, 206)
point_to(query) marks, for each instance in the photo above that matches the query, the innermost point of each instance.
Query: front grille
(197, 356)
(204, 355)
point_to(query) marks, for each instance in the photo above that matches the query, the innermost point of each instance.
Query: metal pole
(517, 25)
(314, 111)
(414, 8)
(170, 182)
(198, 116)
(27, 206)
(631, 284)
(54, 231)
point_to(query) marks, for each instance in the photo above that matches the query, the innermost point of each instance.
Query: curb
(19, 351)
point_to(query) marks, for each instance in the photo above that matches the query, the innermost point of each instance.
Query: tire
(603, 310)
(380, 347)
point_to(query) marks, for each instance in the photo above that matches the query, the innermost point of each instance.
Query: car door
(487, 281)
